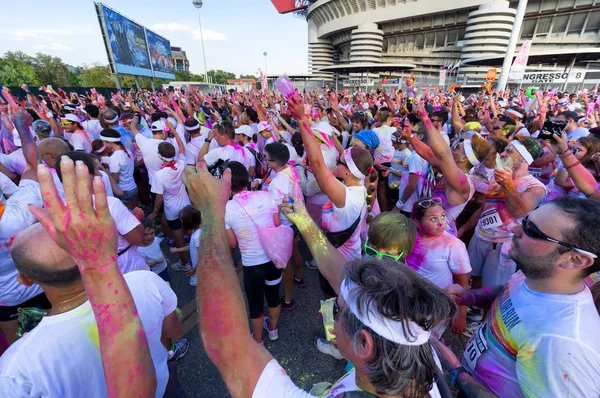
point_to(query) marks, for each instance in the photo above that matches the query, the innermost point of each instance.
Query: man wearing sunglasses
(540, 339)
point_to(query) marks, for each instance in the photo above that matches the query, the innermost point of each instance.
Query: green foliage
(220, 76)
(187, 76)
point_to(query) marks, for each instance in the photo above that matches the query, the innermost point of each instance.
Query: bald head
(38, 257)
(54, 146)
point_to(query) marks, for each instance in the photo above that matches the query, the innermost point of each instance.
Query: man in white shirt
(228, 148)
(540, 338)
(573, 131)
(92, 125)
(69, 330)
(198, 134)
(79, 138)
(411, 182)
(149, 146)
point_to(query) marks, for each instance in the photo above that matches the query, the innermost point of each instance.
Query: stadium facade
(466, 36)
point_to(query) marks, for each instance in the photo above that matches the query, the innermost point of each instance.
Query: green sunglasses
(370, 252)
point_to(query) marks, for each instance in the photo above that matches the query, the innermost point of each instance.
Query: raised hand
(206, 192)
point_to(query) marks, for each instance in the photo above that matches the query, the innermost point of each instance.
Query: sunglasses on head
(531, 230)
(426, 204)
(370, 252)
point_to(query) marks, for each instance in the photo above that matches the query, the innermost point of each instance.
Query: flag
(517, 71)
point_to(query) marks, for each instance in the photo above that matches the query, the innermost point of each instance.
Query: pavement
(295, 349)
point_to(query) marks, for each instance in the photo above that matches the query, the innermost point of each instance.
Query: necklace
(60, 304)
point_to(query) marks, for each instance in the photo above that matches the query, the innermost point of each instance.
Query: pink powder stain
(116, 291)
(566, 376)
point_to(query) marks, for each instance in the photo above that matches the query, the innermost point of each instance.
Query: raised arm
(30, 150)
(335, 190)
(223, 320)
(90, 237)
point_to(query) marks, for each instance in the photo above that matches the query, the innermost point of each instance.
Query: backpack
(258, 168)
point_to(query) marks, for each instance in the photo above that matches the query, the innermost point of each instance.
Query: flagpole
(512, 44)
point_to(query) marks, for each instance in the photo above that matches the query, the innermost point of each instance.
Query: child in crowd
(401, 154)
(152, 253)
(191, 221)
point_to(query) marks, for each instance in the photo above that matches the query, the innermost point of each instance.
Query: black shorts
(10, 313)
(175, 224)
(260, 282)
(164, 274)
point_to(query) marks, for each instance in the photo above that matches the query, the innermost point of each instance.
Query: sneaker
(310, 265)
(327, 348)
(287, 306)
(179, 349)
(178, 267)
(299, 283)
(471, 328)
(273, 334)
(474, 314)
(193, 280)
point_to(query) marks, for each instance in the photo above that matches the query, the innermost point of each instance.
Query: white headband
(195, 127)
(109, 139)
(523, 151)
(112, 120)
(388, 329)
(581, 119)
(101, 149)
(165, 158)
(351, 165)
(468, 147)
(517, 114)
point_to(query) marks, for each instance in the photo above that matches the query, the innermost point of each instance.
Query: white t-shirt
(399, 158)
(16, 217)
(274, 382)
(192, 150)
(240, 212)
(232, 152)
(337, 219)
(7, 187)
(385, 151)
(149, 149)
(285, 182)
(79, 141)
(416, 165)
(122, 162)
(130, 260)
(107, 186)
(29, 368)
(438, 258)
(167, 182)
(194, 246)
(577, 133)
(153, 253)
(537, 344)
(93, 127)
(15, 161)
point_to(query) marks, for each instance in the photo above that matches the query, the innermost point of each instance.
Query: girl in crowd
(383, 154)
(121, 166)
(191, 221)
(244, 212)
(437, 255)
(584, 150)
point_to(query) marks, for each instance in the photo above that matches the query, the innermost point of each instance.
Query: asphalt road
(295, 349)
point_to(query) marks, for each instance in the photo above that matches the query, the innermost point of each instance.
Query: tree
(220, 76)
(17, 68)
(97, 76)
(51, 70)
(249, 77)
(187, 76)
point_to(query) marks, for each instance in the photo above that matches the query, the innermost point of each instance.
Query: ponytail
(371, 185)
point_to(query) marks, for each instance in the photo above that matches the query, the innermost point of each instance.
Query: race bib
(535, 172)
(476, 346)
(490, 219)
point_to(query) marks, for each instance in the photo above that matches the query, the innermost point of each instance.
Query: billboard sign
(285, 6)
(160, 56)
(125, 42)
(575, 76)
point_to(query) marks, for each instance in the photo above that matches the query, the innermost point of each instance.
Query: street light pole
(198, 5)
(266, 76)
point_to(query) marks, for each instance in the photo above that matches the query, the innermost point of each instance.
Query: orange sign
(491, 75)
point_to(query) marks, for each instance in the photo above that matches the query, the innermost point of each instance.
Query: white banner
(575, 76)
(518, 67)
(442, 77)
(358, 82)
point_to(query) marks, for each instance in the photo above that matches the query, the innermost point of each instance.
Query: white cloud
(53, 46)
(209, 35)
(42, 34)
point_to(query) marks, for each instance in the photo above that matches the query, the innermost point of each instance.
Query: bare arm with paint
(518, 204)
(30, 150)
(223, 319)
(90, 236)
(482, 298)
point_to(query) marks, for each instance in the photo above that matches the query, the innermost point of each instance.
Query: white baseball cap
(158, 125)
(263, 126)
(72, 118)
(246, 130)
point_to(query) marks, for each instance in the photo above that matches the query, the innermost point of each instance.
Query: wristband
(49, 115)
(399, 204)
(577, 163)
(563, 152)
(454, 375)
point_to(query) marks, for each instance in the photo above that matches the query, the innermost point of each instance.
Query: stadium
(466, 37)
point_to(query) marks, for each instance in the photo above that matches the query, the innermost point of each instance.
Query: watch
(454, 375)
(207, 140)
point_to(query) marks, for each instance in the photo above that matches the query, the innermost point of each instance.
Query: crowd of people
(425, 213)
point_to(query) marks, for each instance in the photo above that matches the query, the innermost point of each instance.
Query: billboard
(285, 6)
(160, 55)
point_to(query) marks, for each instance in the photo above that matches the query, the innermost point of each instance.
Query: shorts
(175, 224)
(489, 263)
(164, 274)
(326, 287)
(129, 196)
(11, 313)
(260, 282)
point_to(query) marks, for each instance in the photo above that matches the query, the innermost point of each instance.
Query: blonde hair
(392, 230)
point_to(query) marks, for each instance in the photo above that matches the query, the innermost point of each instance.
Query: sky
(236, 32)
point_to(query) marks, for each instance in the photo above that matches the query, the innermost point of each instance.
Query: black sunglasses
(532, 231)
